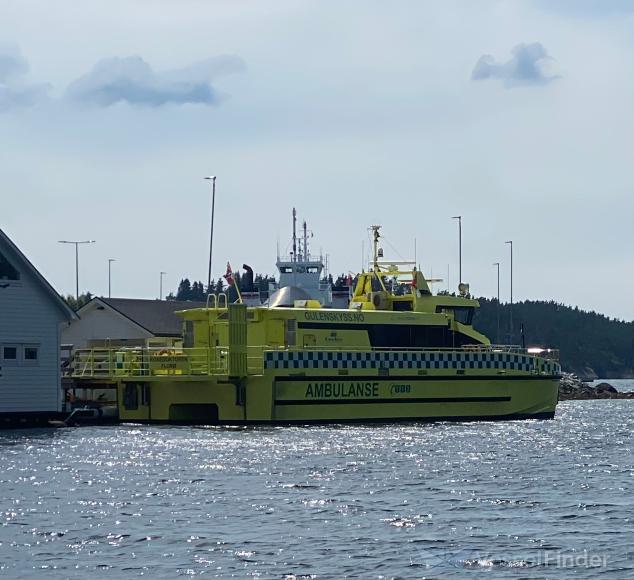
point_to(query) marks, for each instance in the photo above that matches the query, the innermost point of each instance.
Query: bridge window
(463, 314)
(286, 270)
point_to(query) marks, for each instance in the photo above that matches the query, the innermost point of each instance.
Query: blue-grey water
(523, 499)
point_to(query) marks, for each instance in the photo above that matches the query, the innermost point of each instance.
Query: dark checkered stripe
(406, 360)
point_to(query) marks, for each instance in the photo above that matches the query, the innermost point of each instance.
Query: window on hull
(400, 335)
(416, 336)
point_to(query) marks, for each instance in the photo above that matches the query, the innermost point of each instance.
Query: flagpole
(232, 281)
(235, 283)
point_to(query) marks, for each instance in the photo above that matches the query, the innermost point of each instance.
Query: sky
(516, 115)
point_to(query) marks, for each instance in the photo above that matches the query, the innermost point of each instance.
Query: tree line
(589, 343)
(197, 291)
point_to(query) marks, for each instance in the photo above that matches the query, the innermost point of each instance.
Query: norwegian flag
(229, 275)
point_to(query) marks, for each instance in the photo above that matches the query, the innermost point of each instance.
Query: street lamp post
(77, 263)
(110, 260)
(212, 178)
(497, 335)
(459, 218)
(161, 285)
(510, 242)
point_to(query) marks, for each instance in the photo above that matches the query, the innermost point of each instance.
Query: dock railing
(112, 363)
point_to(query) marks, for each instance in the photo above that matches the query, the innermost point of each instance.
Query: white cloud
(15, 89)
(132, 80)
(374, 104)
(528, 65)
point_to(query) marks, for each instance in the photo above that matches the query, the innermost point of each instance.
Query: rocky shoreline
(572, 388)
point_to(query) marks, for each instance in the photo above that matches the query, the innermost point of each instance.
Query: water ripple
(535, 498)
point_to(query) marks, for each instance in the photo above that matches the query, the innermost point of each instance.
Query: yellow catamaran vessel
(398, 352)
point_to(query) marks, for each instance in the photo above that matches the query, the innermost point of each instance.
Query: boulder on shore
(571, 387)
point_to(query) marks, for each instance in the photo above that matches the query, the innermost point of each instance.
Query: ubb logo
(397, 389)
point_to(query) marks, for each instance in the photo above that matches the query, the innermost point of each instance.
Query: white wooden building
(32, 314)
(125, 322)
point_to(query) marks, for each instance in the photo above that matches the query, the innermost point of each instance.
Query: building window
(20, 354)
(7, 271)
(31, 353)
(10, 353)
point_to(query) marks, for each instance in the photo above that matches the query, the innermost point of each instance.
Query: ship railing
(139, 362)
(546, 353)
(113, 363)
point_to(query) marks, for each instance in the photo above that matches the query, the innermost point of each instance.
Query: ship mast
(375, 246)
(305, 242)
(294, 259)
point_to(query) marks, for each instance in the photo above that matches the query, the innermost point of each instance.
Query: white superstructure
(300, 270)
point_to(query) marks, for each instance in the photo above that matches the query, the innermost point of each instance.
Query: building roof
(155, 316)
(45, 285)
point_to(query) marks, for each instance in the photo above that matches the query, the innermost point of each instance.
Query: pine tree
(74, 304)
(184, 290)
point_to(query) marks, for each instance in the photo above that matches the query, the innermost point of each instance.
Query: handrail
(509, 349)
(158, 361)
(217, 303)
(110, 363)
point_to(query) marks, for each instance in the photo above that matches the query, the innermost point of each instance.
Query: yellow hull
(306, 398)
(322, 367)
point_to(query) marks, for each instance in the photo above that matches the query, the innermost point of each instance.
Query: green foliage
(587, 341)
(262, 281)
(76, 305)
(196, 291)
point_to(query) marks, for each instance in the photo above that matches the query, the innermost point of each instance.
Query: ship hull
(290, 399)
